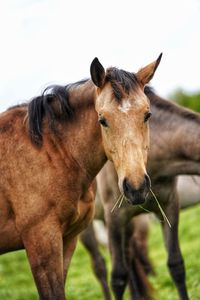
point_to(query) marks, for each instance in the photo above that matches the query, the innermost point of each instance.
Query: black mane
(121, 79)
(42, 106)
(171, 107)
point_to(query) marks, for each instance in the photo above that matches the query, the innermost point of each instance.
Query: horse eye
(103, 122)
(147, 116)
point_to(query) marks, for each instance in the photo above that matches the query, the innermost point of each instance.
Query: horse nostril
(126, 186)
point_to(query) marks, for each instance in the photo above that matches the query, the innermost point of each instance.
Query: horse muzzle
(136, 196)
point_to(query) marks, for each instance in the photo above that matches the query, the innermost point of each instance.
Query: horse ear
(145, 74)
(97, 73)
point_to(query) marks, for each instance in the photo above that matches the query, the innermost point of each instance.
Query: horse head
(123, 113)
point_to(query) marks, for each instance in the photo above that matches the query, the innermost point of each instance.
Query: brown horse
(51, 150)
(175, 145)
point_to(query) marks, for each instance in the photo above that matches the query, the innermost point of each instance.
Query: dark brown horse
(174, 150)
(51, 150)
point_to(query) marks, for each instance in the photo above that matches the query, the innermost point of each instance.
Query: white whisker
(118, 200)
(161, 210)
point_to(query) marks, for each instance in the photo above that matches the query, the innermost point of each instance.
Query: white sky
(54, 41)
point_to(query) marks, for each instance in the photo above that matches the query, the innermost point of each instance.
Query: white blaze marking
(125, 107)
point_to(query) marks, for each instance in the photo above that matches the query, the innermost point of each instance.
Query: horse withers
(52, 148)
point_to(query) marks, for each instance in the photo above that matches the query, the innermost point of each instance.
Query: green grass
(189, 230)
(16, 282)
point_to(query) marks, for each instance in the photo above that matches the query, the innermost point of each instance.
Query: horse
(52, 148)
(174, 150)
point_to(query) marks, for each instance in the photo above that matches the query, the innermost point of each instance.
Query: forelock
(121, 81)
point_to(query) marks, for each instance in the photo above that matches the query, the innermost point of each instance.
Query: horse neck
(175, 141)
(83, 135)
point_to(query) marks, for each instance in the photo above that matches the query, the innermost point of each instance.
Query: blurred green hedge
(190, 100)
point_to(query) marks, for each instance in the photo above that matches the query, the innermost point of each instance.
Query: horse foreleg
(44, 247)
(175, 259)
(98, 263)
(140, 242)
(85, 213)
(119, 276)
(139, 285)
(68, 250)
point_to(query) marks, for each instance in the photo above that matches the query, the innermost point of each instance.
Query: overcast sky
(54, 41)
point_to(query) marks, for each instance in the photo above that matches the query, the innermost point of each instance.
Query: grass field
(16, 281)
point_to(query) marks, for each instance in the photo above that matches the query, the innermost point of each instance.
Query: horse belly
(10, 239)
